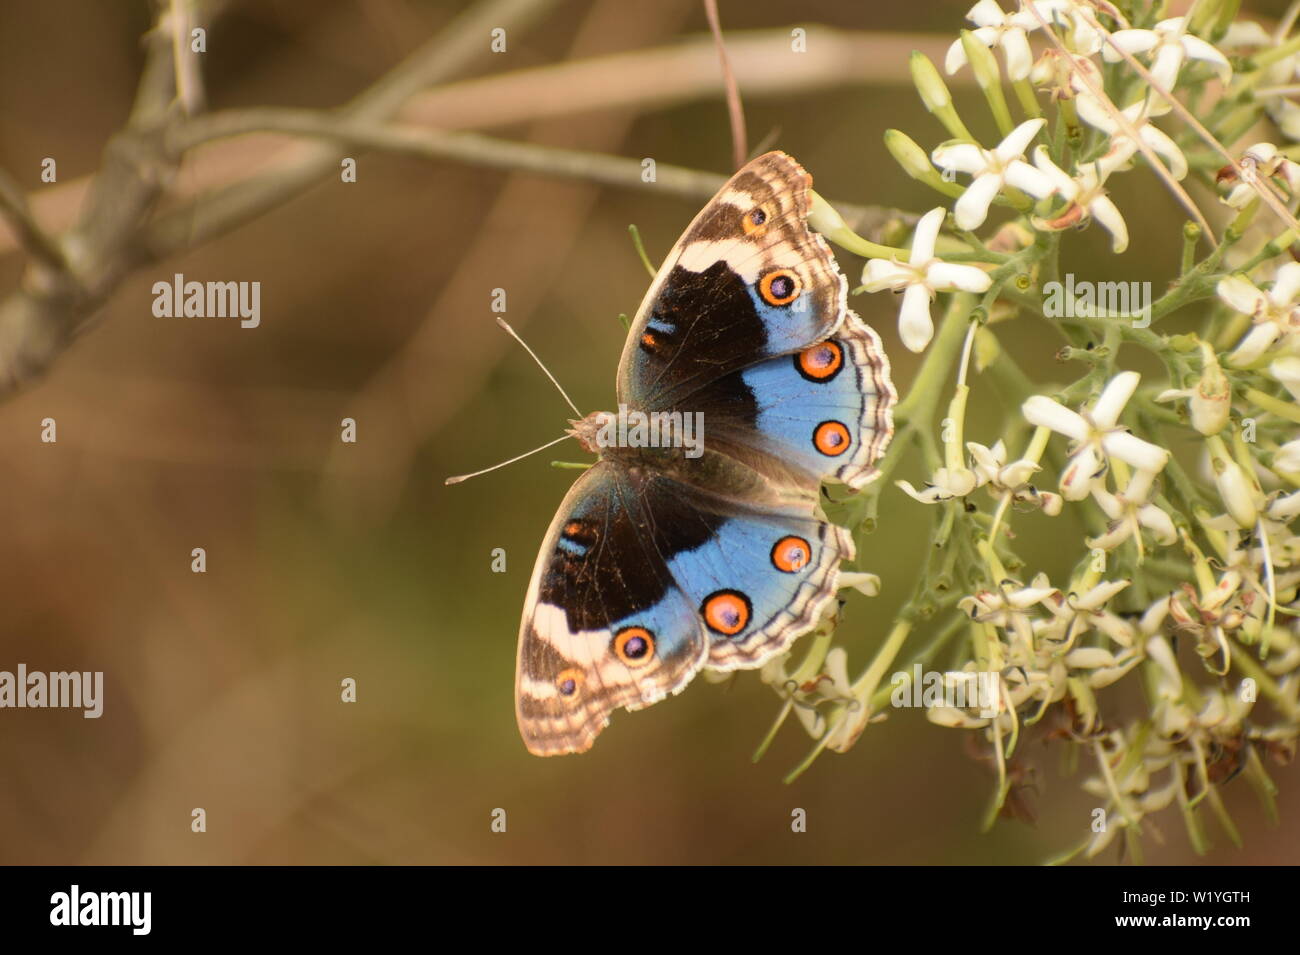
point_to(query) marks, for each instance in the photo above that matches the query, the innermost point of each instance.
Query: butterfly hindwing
(604, 625)
(824, 412)
(643, 579)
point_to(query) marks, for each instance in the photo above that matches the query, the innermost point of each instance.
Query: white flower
(1122, 146)
(1274, 312)
(1169, 46)
(1076, 614)
(1056, 72)
(994, 170)
(993, 28)
(1087, 199)
(1097, 435)
(990, 468)
(946, 484)
(1008, 607)
(920, 278)
(1129, 511)
(1211, 399)
(1261, 159)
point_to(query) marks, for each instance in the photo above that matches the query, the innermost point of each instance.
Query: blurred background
(327, 561)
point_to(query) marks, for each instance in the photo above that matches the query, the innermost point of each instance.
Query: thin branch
(735, 110)
(470, 148)
(658, 77)
(112, 234)
(13, 207)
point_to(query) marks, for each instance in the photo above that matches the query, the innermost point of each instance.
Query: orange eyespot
(635, 646)
(791, 554)
(821, 362)
(755, 222)
(568, 681)
(726, 612)
(648, 340)
(780, 287)
(831, 438)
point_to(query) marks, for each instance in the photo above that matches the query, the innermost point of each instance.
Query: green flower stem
(1284, 409)
(1255, 65)
(1028, 101)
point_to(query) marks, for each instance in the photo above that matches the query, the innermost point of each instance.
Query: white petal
(914, 325)
(1198, 49)
(1045, 413)
(1237, 493)
(1287, 371)
(1107, 213)
(1130, 41)
(1018, 139)
(955, 59)
(986, 13)
(1165, 67)
(1287, 285)
(1114, 397)
(1028, 179)
(1133, 450)
(960, 157)
(1080, 474)
(1254, 345)
(1064, 186)
(1020, 59)
(883, 274)
(972, 208)
(1241, 294)
(1101, 594)
(942, 276)
(1287, 457)
(1159, 523)
(1166, 149)
(923, 239)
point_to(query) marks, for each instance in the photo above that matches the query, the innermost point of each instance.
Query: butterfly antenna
(515, 335)
(465, 477)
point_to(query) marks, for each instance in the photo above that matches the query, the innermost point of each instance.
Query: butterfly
(697, 541)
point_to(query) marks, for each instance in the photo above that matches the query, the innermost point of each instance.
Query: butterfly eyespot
(568, 681)
(780, 287)
(831, 438)
(821, 362)
(755, 221)
(791, 554)
(726, 612)
(635, 646)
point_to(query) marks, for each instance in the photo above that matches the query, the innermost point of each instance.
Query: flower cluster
(1167, 470)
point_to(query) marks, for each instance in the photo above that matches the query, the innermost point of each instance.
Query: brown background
(329, 561)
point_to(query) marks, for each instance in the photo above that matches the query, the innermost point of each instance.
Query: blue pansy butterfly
(707, 547)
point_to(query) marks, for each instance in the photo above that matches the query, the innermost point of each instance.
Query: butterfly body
(697, 541)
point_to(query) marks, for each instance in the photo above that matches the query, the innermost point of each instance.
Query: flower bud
(1212, 398)
(1237, 492)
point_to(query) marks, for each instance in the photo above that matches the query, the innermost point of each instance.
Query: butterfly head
(588, 430)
